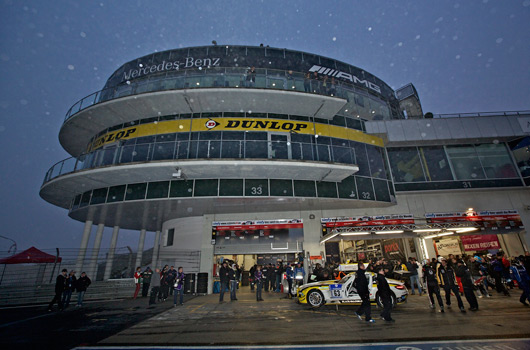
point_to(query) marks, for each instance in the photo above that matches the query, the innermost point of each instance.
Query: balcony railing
(208, 149)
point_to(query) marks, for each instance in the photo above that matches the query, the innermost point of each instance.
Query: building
(258, 154)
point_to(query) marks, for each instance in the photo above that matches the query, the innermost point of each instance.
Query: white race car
(343, 292)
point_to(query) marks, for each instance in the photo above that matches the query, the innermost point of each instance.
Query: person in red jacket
(137, 276)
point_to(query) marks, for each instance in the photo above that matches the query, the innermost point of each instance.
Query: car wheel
(315, 298)
(380, 302)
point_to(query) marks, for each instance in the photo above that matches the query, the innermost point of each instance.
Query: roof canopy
(30, 256)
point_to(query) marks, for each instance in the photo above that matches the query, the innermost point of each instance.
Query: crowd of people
(162, 283)
(65, 284)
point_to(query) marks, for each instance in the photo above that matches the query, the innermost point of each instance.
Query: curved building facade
(258, 154)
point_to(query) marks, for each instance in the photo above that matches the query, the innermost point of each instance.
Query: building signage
(448, 246)
(480, 242)
(487, 218)
(395, 219)
(164, 66)
(344, 76)
(245, 124)
(393, 249)
(257, 224)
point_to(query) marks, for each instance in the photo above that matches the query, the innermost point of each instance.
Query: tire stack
(202, 283)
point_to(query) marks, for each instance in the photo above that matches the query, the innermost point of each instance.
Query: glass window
(436, 164)
(163, 150)
(361, 159)
(233, 135)
(465, 162)
(521, 152)
(166, 137)
(206, 188)
(234, 115)
(135, 191)
(229, 187)
(158, 189)
(377, 163)
(85, 199)
(353, 123)
(338, 120)
(381, 190)
(170, 236)
(181, 188)
(282, 188)
(99, 196)
(405, 164)
(327, 189)
(77, 200)
(496, 161)
(303, 188)
(347, 188)
(256, 187)
(116, 194)
(365, 188)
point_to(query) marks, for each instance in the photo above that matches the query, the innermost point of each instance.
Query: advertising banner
(480, 242)
(448, 246)
(489, 219)
(393, 249)
(395, 219)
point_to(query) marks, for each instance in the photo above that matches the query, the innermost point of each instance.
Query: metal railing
(208, 149)
(218, 77)
(483, 114)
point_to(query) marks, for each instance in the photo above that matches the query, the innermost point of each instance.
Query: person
(146, 281)
(265, 280)
(289, 274)
(258, 277)
(316, 83)
(251, 277)
(447, 278)
(178, 285)
(60, 284)
(233, 282)
(520, 274)
(383, 289)
(412, 266)
(271, 277)
(251, 77)
(498, 268)
(467, 284)
(224, 279)
(474, 269)
(69, 288)
(299, 274)
(429, 274)
(333, 87)
(155, 287)
(164, 285)
(137, 281)
(361, 284)
(307, 82)
(278, 275)
(171, 276)
(81, 286)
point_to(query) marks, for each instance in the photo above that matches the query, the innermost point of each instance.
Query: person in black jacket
(233, 282)
(467, 283)
(265, 277)
(383, 289)
(446, 276)
(60, 284)
(361, 284)
(224, 279)
(68, 289)
(81, 285)
(429, 274)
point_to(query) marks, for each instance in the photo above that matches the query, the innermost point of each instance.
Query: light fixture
(445, 234)
(428, 230)
(430, 236)
(360, 233)
(389, 231)
(330, 237)
(466, 229)
(470, 209)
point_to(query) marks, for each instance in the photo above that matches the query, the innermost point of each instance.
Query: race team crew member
(447, 277)
(429, 275)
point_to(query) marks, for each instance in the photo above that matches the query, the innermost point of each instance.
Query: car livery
(343, 292)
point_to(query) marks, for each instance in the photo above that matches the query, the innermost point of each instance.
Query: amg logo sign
(343, 75)
(188, 62)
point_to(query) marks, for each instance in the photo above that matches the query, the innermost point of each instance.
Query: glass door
(280, 146)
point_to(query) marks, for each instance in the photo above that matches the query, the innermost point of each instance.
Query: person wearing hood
(361, 284)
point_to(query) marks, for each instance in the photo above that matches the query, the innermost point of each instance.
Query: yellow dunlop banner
(234, 124)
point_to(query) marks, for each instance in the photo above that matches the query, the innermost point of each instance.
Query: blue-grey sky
(462, 56)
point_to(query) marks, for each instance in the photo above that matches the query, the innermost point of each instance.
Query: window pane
(205, 188)
(405, 164)
(256, 149)
(85, 199)
(231, 149)
(170, 236)
(257, 188)
(436, 164)
(327, 189)
(521, 152)
(135, 191)
(281, 188)
(116, 194)
(381, 190)
(99, 196)
(181, 188)
(348, 188)
(361, 159)
(364, 185)
(158, 189)
(496, 161)
(229, 187)
(377, 165)
(163, 150)
(303, 188)
(465, 162)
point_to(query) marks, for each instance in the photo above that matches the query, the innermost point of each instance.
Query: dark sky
(462, 56)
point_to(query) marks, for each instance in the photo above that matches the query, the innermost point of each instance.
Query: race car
(343, 292)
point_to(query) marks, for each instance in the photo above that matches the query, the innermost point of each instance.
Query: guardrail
(483, 114)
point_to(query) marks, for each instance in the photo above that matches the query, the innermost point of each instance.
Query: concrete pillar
(155, 251)
(140, 251)
(93, 267)
(84, 245)
(110, 255)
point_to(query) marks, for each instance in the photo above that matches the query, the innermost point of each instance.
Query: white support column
(110, 255)
(155, 251)
(140, 251)
(93, 267)
(84, 245)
